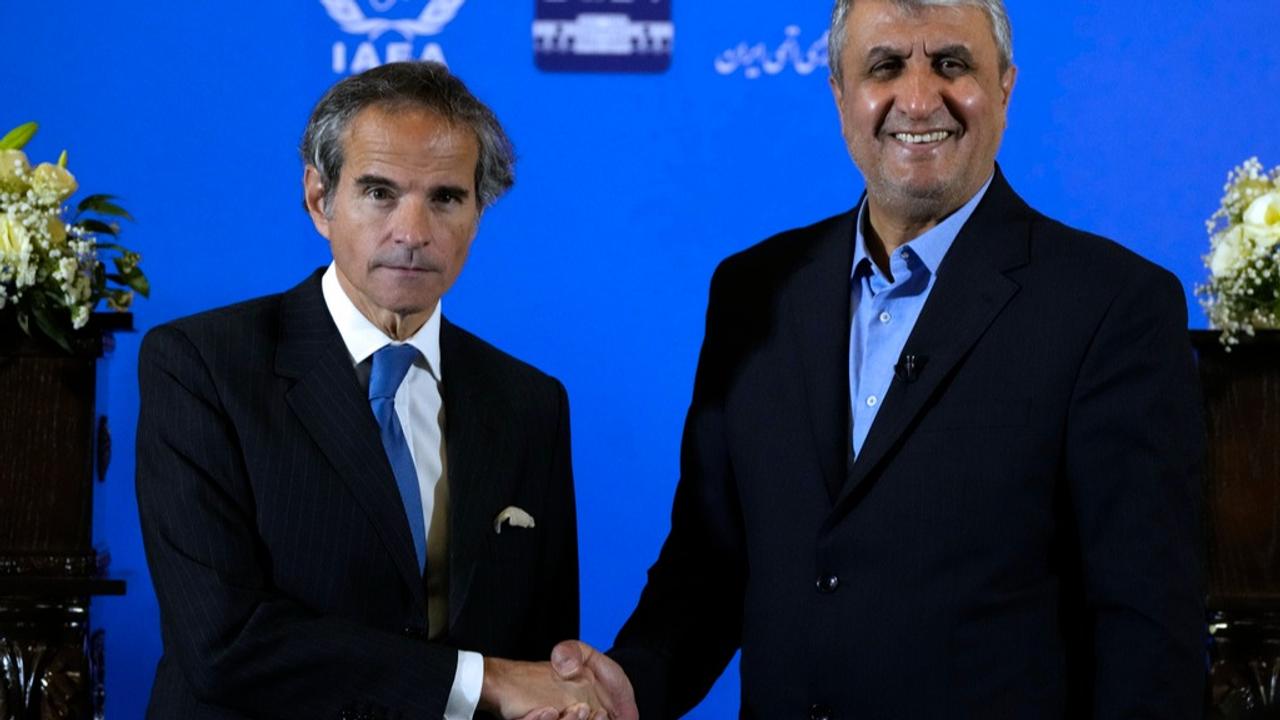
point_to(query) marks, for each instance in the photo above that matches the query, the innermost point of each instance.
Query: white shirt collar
(363, 338)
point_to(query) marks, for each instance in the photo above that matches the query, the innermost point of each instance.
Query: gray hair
(415, 84)
(995, 10)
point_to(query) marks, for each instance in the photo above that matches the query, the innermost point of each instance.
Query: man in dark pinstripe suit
(312, 557)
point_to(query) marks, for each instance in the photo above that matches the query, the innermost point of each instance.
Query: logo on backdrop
(755, 61)
(392, 30)
(603, 35)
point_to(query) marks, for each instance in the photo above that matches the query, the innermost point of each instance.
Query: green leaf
(97, 226)
(87, 203)
(119, 300)
(49, 326)
(140, 284)
(102, 204)
(99, 245)
(134, 280)
(24, 323)
(18, 137)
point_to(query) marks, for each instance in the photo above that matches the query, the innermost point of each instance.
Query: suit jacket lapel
(471, 437)
(970, 291)
(822, 343)
(329, 403)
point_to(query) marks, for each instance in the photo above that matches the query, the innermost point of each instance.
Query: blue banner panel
(603, 35)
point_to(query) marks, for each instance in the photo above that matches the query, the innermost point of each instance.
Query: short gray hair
(995, 10)
(414, 84)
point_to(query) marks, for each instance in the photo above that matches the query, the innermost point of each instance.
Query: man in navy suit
(942, 458)
(351, 506)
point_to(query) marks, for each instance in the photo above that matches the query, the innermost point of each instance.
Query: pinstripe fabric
(276, 537)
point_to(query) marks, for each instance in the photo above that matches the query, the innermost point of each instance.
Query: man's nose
(411, 222)
(920, 94)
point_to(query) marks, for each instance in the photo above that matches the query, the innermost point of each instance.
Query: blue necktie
(390, 364)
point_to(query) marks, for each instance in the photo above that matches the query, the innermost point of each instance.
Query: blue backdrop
(1125, 120)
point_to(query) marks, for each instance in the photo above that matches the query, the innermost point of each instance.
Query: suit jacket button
(820, 712)
(827, 584)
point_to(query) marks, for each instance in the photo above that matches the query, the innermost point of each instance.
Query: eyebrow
(883, 52)
(458, 190)
(371, 180)
(955, 50)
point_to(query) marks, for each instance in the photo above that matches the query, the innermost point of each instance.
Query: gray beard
(932, 205)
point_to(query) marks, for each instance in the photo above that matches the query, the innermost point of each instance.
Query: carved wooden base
(50, 660)
(1244, 677)
(50, 664)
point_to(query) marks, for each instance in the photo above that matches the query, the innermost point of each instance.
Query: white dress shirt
(421, 413)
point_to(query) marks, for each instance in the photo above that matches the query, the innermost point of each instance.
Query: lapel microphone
(909, 367)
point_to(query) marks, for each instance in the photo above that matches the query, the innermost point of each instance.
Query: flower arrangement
(52, 260)
(1243, 291)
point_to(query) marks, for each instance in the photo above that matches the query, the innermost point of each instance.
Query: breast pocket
(514, 543)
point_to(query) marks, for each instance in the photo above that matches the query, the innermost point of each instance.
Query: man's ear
(1006, 83)
(313, 194)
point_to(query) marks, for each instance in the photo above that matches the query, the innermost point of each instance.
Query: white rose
(15, 241)
(57, 230)
(53, 181)
(1262, 220)
(1229, 252)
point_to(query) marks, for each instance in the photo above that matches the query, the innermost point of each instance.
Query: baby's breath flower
(1243, 290)
(79, 316)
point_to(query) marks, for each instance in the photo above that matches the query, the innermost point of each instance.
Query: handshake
(579, 683)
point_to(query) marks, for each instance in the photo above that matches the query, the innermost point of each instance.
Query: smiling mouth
(922, 138)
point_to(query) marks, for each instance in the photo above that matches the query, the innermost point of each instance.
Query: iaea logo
(395, 33)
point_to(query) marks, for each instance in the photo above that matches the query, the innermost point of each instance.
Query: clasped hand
(579, 683)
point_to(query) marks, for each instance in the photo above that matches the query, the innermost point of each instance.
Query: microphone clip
(909, 367)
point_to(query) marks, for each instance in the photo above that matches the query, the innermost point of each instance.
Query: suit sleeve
(687, 625)
(559, 559)
(1134, 449)
(239, 643)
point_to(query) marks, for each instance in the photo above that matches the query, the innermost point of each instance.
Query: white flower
(57, 230)
(1230, 250)
(67, 268)
(79, 316)
(52, 183)
(1262, 220)
(15, 240)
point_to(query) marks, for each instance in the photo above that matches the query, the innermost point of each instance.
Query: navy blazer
(277, 541)
(1019, 537)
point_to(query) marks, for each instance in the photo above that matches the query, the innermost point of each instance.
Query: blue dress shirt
(883, 313)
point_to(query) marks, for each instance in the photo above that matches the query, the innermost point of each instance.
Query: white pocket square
(513, 516)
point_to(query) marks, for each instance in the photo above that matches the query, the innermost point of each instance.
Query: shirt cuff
(468, 679)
